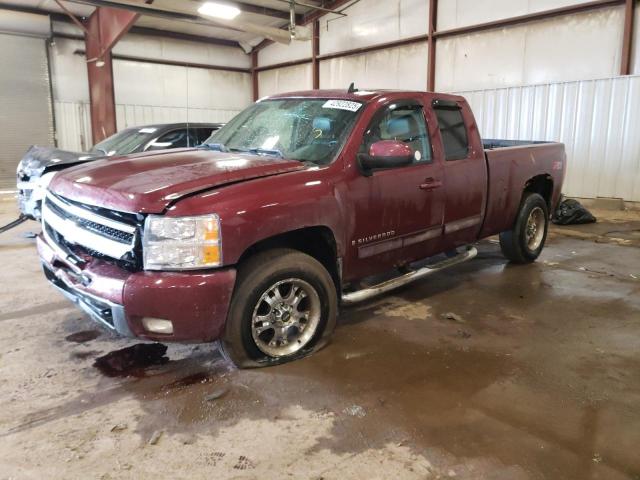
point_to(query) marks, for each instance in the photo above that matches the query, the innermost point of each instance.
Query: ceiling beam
(152, 32)
(310, 18)
(56, 16)
(260, 10)
(153, 11)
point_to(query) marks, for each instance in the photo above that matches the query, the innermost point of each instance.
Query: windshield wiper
(214, 146)
(259, 151)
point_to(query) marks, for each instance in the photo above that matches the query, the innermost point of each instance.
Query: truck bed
(493, 143)
(511, 164)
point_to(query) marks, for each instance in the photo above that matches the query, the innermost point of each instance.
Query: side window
(204, 133)
(174, 139)
(452, 130)
(406, 124)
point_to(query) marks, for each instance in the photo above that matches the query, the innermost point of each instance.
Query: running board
(366, 293)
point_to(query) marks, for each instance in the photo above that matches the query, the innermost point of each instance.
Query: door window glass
(405, 124)
(453, 132)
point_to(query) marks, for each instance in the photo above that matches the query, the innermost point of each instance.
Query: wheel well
(543, 185)
(317, 242)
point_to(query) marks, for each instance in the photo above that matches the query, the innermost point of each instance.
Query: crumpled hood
(149, 182)
(38, 158)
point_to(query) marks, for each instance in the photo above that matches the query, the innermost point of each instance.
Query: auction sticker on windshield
(342, 105)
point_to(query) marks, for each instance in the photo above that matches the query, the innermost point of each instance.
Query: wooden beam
(315, 52)
(627, 37)
(431, 46)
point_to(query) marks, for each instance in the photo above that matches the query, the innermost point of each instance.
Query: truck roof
(364, 95)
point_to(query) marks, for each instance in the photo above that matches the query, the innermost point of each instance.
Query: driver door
(399, 211)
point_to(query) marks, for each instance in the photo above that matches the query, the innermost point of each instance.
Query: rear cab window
(452, 129)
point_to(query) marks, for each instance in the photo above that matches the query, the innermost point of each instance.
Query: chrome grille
(75, 225)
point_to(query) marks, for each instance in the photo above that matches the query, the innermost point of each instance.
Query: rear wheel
(284, 307)
(524, 243)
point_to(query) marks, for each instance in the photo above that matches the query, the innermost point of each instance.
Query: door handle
(430, 184)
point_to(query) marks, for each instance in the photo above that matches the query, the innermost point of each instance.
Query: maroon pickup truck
(256, 237)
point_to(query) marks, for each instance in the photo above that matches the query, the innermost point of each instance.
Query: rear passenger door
(465, 172)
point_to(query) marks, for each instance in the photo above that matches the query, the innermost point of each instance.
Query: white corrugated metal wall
(489, 66)
(555, 59)
(597, 120)
(148, 93)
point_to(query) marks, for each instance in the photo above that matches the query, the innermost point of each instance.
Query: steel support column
(254, 74)
(431, 46)
(315, 63)
(627, 37)
(104, 28)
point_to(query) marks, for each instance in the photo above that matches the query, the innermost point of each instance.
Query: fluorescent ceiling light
(219, 10)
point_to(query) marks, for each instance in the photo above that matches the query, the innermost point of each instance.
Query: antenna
(352, 88)
(188, 136)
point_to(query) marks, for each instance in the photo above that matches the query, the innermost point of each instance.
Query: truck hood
(37, 159)
(150, 182)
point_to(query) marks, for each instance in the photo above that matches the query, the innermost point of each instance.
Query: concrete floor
(536, 375)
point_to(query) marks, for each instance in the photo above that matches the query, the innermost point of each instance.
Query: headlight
(181, 243)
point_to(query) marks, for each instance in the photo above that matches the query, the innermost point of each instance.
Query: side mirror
(386, 154)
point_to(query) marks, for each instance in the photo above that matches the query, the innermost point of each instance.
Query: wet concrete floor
(485, 371)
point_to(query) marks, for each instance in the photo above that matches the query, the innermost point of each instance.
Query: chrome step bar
(358, 296)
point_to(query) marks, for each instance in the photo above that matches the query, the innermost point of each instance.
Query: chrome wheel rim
(286, 317)
(535, 228)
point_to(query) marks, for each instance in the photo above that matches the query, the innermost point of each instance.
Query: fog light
(157, 325)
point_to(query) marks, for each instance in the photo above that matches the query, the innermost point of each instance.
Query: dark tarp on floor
(571, 212)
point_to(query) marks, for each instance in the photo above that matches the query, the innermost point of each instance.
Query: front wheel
(524, 243)
(284, 307)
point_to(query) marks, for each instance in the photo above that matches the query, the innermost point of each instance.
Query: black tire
(255, 277)
(514, 243)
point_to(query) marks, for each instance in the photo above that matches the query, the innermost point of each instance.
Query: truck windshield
(309, 130)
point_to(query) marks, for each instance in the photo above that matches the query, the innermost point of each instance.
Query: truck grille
(69, 224)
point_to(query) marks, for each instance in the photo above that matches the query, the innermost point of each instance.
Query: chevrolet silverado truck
(258, 236)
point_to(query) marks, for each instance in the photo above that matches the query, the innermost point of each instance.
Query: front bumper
(195, 303)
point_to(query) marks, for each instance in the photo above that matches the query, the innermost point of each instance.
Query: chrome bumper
(105, 312)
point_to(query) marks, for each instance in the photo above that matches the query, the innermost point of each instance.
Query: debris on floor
(355, 411)
(155, 438)
(216, 394)
(571, 212)
(132, 361)
(453, 317)
(463, 334)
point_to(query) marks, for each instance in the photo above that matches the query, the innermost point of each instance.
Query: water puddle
(83, 337)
